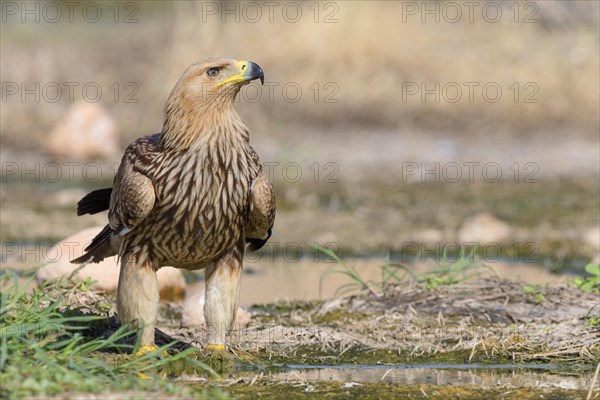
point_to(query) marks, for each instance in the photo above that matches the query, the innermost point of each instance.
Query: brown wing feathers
(163, 204)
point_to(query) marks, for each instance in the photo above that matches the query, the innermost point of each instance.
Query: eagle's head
(216, 80)
(203, 97)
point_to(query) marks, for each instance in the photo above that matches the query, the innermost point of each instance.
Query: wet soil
(483, 338)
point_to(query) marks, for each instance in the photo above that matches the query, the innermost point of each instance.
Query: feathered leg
(137, 296)
(222, 296)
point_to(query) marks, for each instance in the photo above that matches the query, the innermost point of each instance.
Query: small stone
(105, 273)
(484, 228)
(68, 197)
(193, 310)
(591, 238)
(85, 132)
(428, 236)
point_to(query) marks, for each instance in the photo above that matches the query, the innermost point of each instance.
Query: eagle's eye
(212, 72)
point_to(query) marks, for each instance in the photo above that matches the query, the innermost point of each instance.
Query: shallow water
(309, 279)
(488, 375)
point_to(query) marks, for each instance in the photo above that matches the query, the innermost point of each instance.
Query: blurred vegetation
(590, 282)
(365, 55)
(49, 347)
(367, 52)
(447, 271)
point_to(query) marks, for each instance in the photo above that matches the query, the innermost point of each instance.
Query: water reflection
(517, 375)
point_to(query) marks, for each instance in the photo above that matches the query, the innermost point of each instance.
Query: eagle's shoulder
(144, 149)
(133, 194)
(255, 164)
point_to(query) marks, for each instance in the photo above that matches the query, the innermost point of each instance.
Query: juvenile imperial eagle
(190, 197)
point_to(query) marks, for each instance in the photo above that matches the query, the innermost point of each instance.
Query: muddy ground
(485, 337)
(481, 321)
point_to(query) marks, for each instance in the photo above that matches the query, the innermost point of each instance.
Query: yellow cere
(241, 66)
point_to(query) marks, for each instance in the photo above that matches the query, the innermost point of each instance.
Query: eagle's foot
(215, 347)
(146, 349)
(224, 359)
(142, 375)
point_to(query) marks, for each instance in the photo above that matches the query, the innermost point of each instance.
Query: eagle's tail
(100, 248)
(94, 202)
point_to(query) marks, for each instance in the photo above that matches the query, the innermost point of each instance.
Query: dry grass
(493, 321)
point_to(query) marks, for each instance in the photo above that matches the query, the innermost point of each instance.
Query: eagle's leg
(221, 298)
(138, 296)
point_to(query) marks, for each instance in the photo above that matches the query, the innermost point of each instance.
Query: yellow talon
(149, 349)
(145, 350)
(142, 375)
(217, 347)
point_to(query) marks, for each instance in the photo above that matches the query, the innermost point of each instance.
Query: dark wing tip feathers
(101, 237)
(94, 202)
(99, 241)
(257, 244)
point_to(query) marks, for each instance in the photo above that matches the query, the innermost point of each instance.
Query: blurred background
(389, 129)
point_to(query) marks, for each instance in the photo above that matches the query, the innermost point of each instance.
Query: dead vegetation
(483, 323)
(491, 320)
(359, 62)
(486, 320)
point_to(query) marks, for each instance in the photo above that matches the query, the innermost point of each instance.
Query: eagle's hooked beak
(248, 72)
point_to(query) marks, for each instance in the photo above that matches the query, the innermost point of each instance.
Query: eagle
(192, 196)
